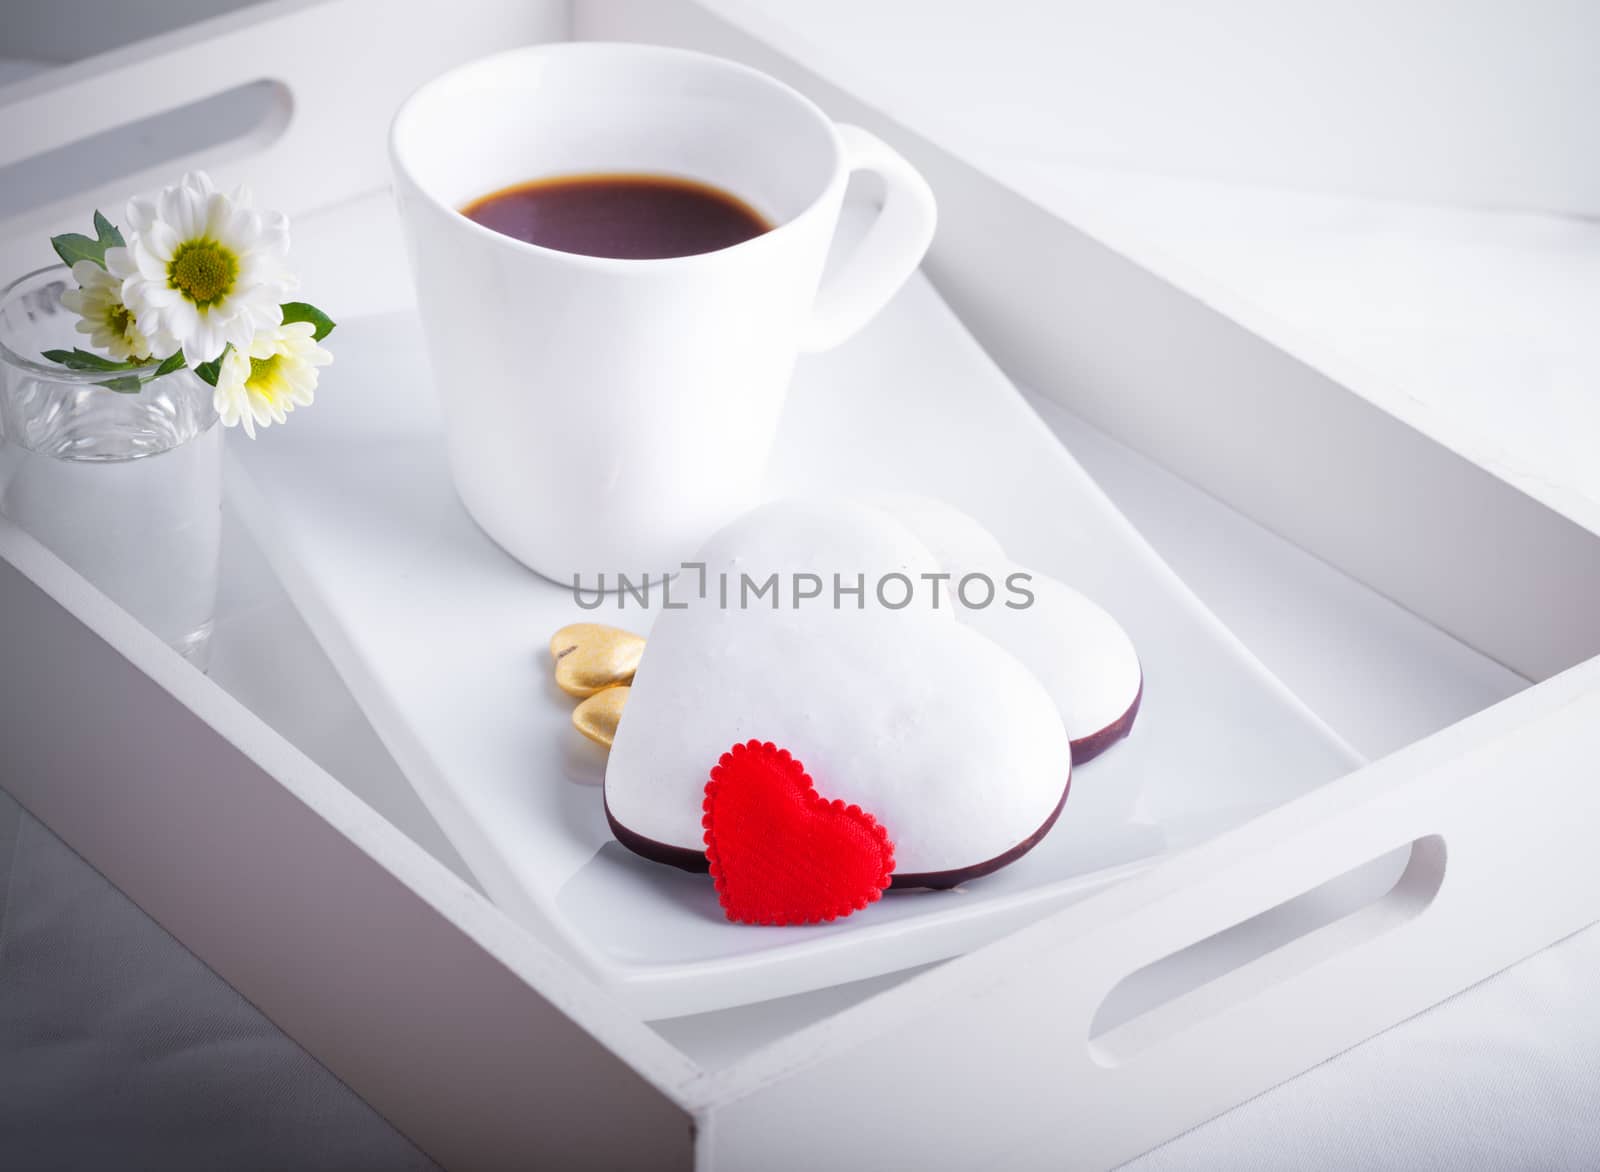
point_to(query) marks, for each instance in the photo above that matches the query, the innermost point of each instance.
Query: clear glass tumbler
(125, 487)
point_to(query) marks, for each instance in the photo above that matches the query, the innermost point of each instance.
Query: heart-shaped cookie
(591, 657)
(779, 852)
(950, 741)
(1080, 654)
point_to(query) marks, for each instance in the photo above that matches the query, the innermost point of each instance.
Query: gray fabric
(10, 822)
(120, 1050)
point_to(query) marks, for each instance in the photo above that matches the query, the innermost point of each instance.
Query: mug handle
(886, 256)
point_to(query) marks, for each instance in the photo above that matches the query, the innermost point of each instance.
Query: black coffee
(634, 217)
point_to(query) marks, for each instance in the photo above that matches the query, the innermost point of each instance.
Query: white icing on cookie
(1079, 652)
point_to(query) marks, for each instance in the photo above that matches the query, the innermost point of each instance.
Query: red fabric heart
(782, 854)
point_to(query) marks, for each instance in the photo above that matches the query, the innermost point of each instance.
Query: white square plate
(442, 639)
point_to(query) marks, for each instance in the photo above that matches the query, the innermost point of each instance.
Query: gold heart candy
(591, 657)
(598, 716)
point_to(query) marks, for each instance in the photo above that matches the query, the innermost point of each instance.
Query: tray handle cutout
(230, 123)
(1226, 969)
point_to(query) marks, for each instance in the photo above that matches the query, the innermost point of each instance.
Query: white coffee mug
(606, 415)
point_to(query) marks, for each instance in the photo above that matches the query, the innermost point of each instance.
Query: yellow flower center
(265, 376)
(120, 320)
(203, 271)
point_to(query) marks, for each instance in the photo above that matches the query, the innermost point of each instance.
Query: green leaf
(72, 247)
(169, 365)
(108, 232)
(86, 360)
(322, 324)
(127, 385)
(209, 372)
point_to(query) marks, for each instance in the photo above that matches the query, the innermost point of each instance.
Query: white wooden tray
(492, 1049)
(441, 636)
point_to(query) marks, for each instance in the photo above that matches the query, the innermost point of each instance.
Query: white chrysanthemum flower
(203, 269)
(109, 323)
(276, 373)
